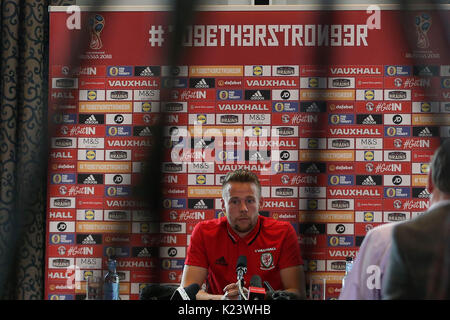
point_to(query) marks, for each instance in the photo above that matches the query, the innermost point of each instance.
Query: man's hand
(232, 291)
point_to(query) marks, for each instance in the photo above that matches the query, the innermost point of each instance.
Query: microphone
(283, 295)
(187, 293)
(156, 292)
(279, 294)
(241, 267)
(256, 291)
(269, 287)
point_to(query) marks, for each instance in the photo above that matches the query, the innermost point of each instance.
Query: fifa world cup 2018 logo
(423, 25)
(96, 25)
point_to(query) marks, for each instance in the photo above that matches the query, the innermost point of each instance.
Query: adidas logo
(147, 72)
(313, 169)
(89, 240)
(425, 71)
(425, 133)
(202, 84)
(369, 181)
(144, 253)
(145, 132)
(200, 205)
(424, 194)
(90, 180)
(257, 96)
(369, 120)
(221, 261)
(91, 120)
(256, 156)
(312, 230)
(313, 108)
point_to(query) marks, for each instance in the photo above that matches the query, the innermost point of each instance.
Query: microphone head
(256, 291)
(188, 293)
(192, 290)
(157, 292)
(256, 281)
(241, 262)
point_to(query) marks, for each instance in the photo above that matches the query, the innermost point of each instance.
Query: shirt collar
(250, 237)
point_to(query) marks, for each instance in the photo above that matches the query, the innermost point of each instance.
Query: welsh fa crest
(267, 261)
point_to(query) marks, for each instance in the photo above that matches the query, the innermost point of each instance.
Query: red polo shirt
(271, 246)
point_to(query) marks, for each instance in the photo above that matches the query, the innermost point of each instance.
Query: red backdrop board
(338, 112)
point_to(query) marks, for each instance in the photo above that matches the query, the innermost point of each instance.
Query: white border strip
(308, 7)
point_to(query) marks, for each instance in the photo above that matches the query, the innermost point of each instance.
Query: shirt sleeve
(290, 250)
(196, 253)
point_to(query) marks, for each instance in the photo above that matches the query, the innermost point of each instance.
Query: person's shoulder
(381, 231)
(379, 237)
(425, 228)
(426, 222)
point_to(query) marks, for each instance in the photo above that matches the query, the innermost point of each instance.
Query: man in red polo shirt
(271, 246)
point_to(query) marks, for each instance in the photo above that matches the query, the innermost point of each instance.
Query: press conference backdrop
(338, 112)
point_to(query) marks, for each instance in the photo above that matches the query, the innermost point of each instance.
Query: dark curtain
(23, 146)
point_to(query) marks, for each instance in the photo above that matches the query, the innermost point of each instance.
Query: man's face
(241, 204)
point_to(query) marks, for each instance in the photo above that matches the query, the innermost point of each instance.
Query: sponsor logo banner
(382, 168)
(341, 107)
(354, 192)
(132, 83)
(61, 238)
(327, 95)
(187, 215)
(361, 229)
(106, 166)
(340, 241)
(212, 71)
(119, 203)
(230, 83)
(327, 155)
(75, 190)
(268, 82)
(370, 70)
(105, 107)
(430, 119)
(103, 227)
(383, 106)
(61, 167)
(406, 204)
(369, 82)
(71, 71)
(197, 191)
(74, 251)
(299, 179)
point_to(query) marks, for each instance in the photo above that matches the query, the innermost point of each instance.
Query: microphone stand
(242, 295)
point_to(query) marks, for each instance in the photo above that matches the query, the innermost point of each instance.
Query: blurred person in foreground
(270, 246)
(363, 282)
(418, 266)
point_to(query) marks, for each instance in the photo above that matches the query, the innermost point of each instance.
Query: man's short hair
(440, 167)
(242, 175)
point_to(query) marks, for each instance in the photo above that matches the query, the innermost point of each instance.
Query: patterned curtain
(23, 146)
